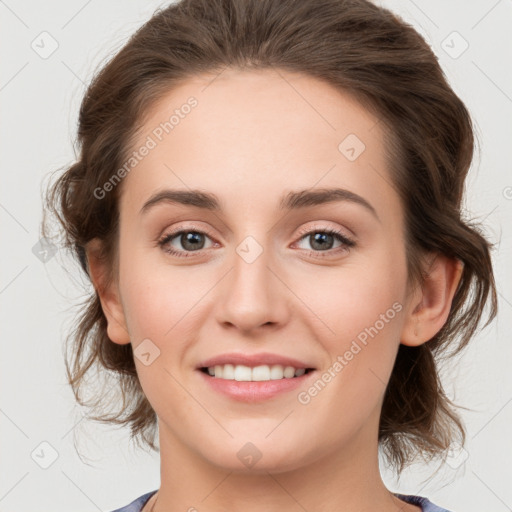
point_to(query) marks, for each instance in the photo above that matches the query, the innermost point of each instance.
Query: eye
(191, 240)
(322, 240)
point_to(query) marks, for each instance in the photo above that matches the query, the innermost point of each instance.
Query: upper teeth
(258, 373)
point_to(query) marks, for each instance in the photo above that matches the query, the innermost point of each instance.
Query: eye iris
(319, 238)
(191, 237)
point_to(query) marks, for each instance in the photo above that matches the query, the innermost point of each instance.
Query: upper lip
(263, 358)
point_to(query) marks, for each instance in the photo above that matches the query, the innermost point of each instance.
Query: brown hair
(363, 50)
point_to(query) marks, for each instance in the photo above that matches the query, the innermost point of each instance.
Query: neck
(347, 480)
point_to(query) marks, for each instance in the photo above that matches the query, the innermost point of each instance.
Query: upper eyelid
(302, 231)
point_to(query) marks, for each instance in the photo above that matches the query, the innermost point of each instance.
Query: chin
(253, 455)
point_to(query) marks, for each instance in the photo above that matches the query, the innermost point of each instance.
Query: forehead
(257, 132)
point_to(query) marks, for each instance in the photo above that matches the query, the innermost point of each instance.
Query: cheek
(158, 304)
(154, 296)
(353, 297)
(159, 310)
(356, 312)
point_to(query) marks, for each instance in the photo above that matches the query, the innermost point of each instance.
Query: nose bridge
(251, 293)
(251, 267)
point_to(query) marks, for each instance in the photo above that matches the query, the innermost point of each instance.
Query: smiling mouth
(260, 373)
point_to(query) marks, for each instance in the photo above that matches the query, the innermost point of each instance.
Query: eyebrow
(294, 200)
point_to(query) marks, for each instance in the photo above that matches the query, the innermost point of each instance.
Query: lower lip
(254, 391)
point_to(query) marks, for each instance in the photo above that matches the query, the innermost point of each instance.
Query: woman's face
(256, 272)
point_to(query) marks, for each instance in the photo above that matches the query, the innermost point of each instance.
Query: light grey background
(40, 98)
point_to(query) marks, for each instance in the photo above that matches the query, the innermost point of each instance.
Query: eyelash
(347, 242)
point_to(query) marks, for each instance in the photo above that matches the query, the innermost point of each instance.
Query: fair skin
(254, 137)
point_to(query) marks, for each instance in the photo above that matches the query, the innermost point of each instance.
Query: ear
(431, 303)
(108, 293)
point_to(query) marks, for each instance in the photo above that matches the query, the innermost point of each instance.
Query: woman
(268, 203)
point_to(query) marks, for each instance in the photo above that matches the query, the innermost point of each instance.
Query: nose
(252, 294)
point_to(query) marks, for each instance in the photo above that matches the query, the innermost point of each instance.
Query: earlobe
(108, 293)
(432, 301)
